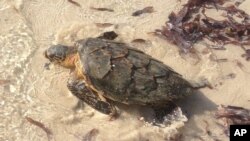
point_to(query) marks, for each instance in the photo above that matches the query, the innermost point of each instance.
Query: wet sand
(29, 27)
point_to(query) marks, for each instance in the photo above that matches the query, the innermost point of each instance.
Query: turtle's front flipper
(79, 89)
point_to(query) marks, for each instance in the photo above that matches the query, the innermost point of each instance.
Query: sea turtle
(105, 71)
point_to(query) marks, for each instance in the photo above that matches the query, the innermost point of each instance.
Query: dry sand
(29, 27)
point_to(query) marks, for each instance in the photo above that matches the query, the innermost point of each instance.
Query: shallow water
(29, 90)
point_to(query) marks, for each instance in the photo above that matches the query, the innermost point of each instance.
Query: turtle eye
(59, 57)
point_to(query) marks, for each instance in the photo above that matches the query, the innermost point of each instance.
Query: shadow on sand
(195, 104)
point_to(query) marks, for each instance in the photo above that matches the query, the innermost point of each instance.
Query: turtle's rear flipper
(78, 88)
(202, 83)
(163, 111)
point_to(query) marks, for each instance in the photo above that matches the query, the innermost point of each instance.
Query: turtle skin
(129, 76)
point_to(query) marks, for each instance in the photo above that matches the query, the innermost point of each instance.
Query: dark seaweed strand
(90, 136)
(42, 126)
(75, 3)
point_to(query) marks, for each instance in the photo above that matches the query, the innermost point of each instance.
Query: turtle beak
(46, 56)
(46, 66)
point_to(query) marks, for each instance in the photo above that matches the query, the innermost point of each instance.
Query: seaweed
(40, 125)
(191, 25)
(241, 66)
(233, 115)
(148, 9)
(247, 54)
(75, 3)
(139, 40)
(221, 60)
(103, 25)
(239, 2)
(102, 9)
(230, 76)
(90, 136)
(110, 35)
(207, 127)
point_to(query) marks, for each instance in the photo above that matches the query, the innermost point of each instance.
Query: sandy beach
(27, 89)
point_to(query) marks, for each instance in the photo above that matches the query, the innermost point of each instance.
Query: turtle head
(56, 53)
(62, 55)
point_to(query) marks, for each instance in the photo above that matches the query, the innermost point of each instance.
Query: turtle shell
(129, 76)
